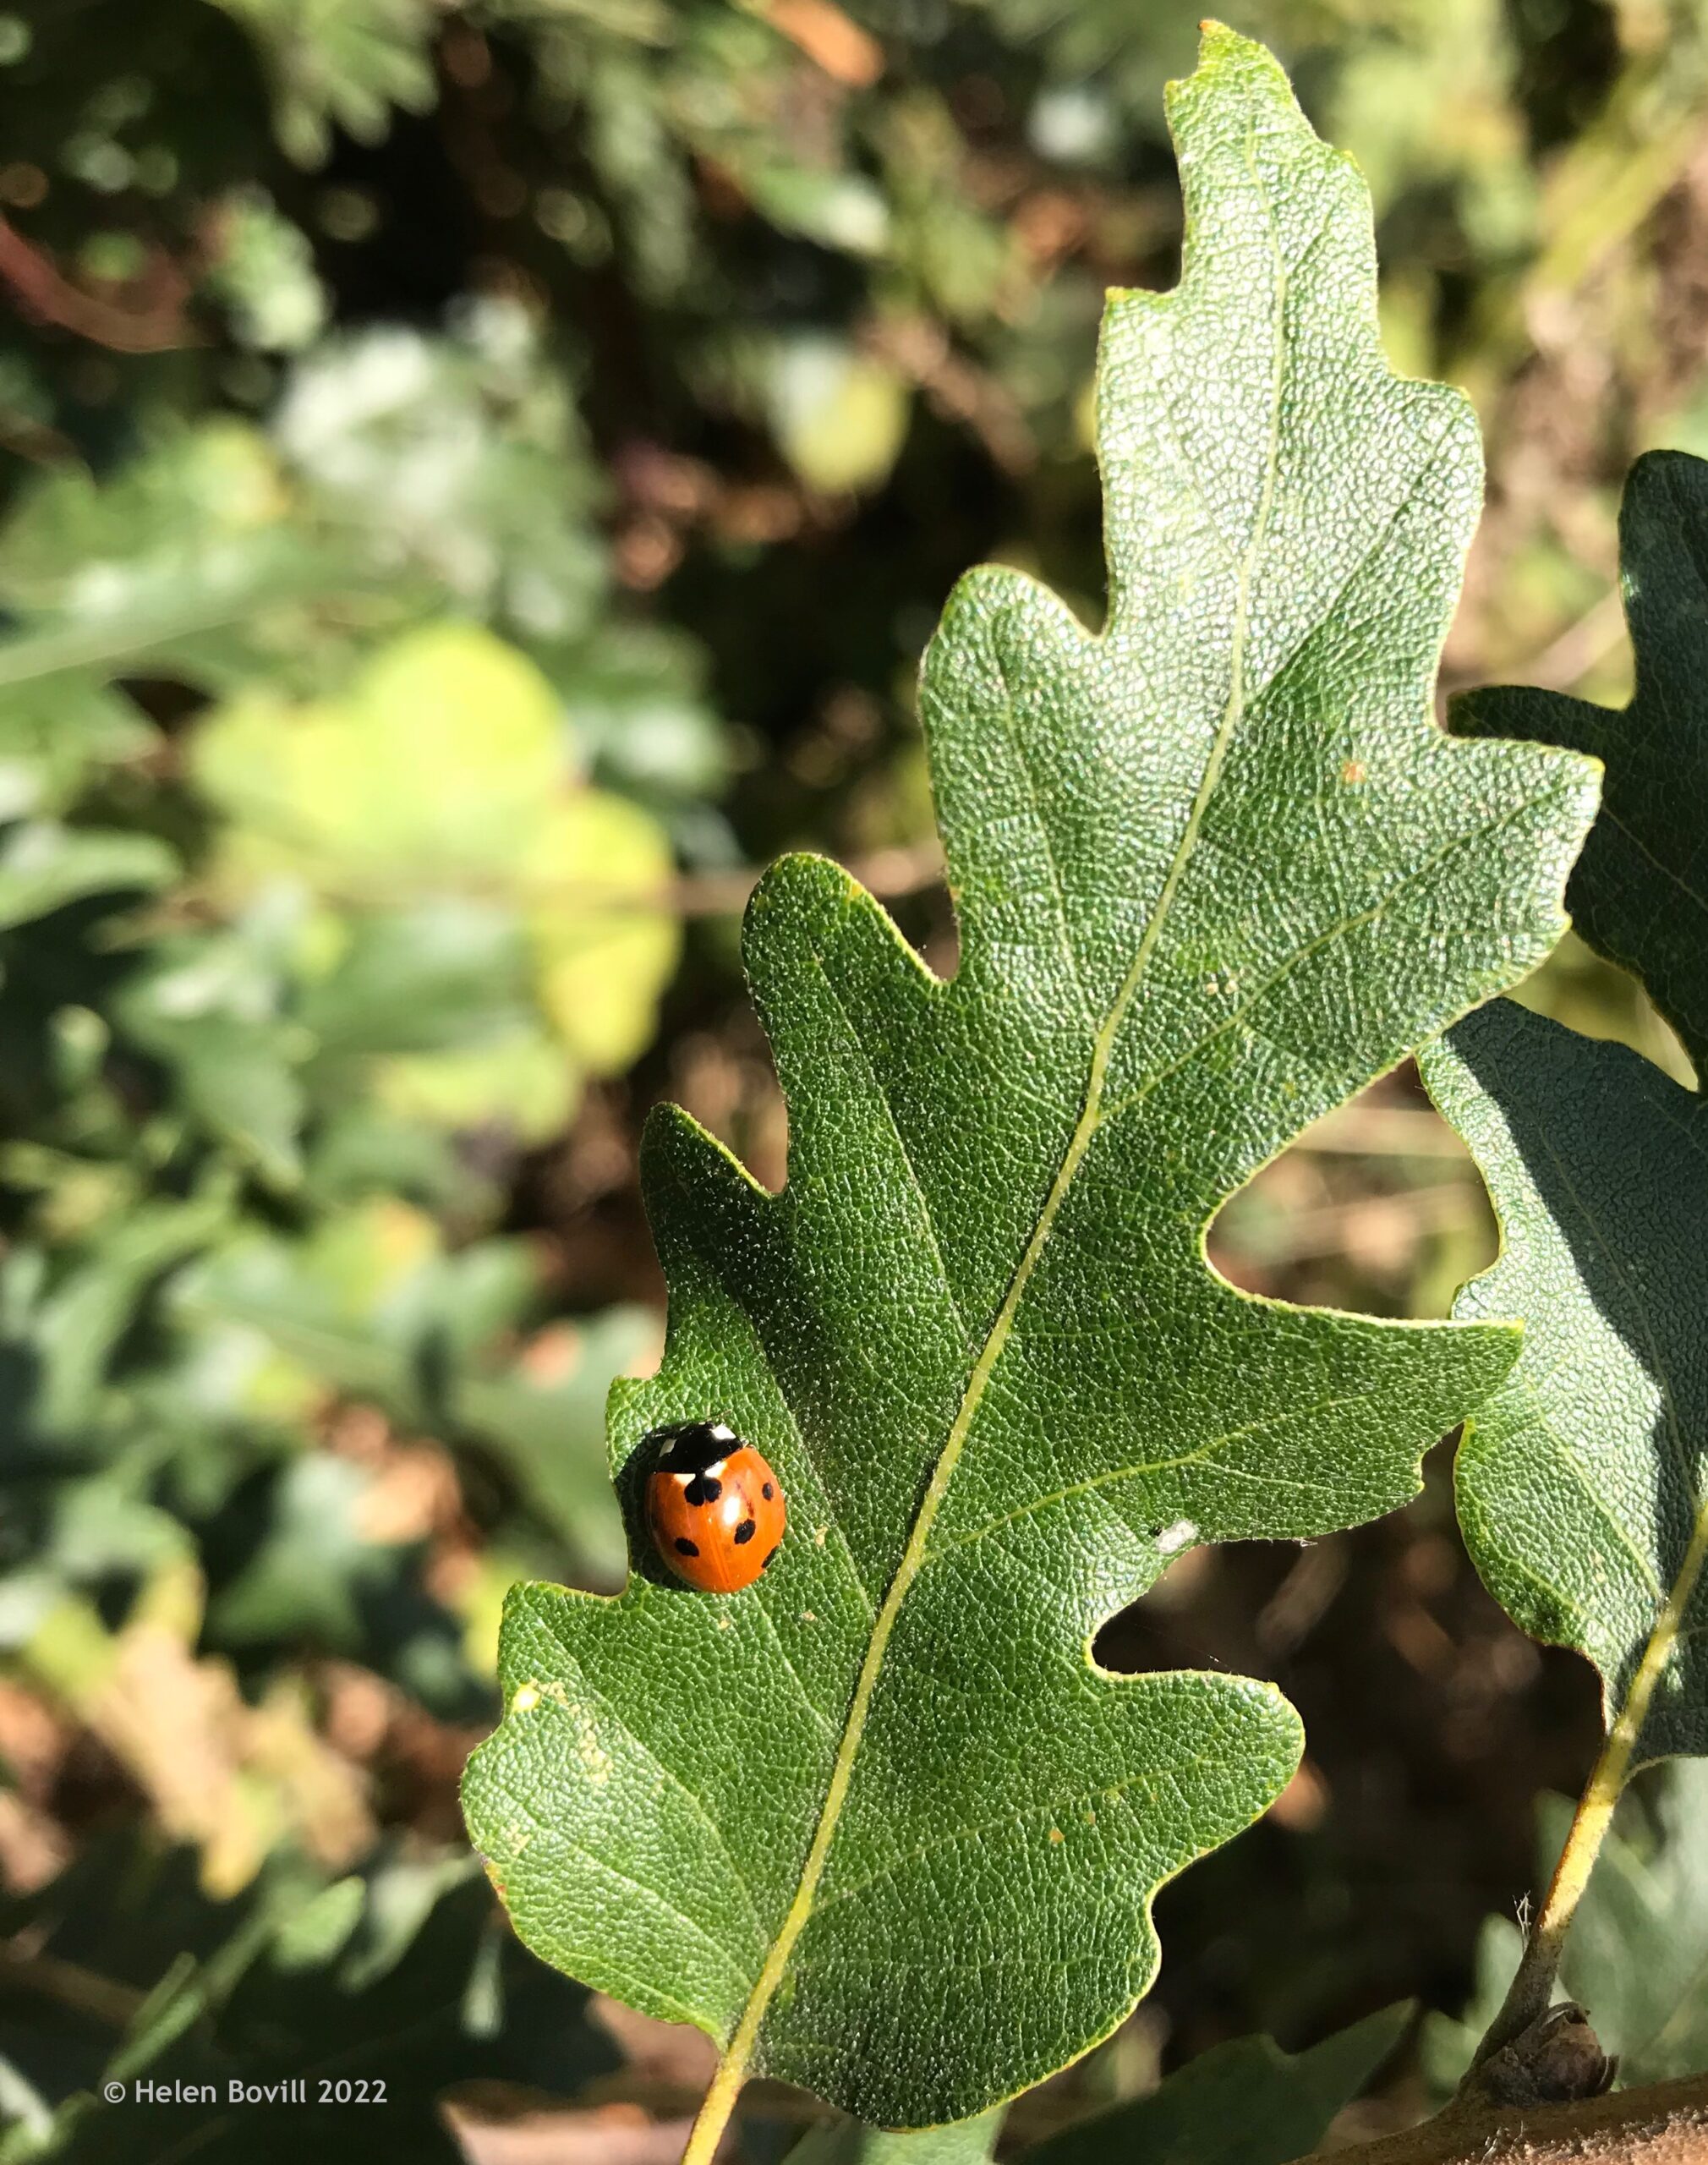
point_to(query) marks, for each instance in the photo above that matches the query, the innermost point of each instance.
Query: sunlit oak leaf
(879, 1824)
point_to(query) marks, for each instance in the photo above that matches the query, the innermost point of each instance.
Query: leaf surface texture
(1582, 1486)
(880, 1824)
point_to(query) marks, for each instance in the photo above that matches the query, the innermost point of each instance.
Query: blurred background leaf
(1242, 2103)
(1638, 1956)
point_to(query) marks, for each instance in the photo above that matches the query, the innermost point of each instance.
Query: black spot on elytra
(703, 1489)
(770, 1560)
(685, 1548)
(745, 1533)
(768, 1491)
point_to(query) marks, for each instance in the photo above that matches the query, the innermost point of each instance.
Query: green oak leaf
(843, 2142)
(183, 564)
(881, 1824)
(1582, 1484)
(1640, 892)
(1245, 2102)
(1639, 1951)
(1638, 1954)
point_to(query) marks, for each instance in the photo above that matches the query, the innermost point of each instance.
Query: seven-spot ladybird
(716, 1507)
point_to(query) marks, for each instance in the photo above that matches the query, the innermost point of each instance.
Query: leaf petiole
(1532, 1987)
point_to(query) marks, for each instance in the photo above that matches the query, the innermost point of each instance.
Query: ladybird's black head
(691, 1446)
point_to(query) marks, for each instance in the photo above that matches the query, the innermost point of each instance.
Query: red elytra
(715, 1506)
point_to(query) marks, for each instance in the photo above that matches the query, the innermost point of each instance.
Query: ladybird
(716, 1507)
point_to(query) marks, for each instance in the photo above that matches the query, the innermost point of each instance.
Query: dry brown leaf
(227, 1777)
(602, 2135)
(673, 2052)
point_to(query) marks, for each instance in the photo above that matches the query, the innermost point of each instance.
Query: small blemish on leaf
(1055, 1834)
(595, 1760)
(1352, 772)
(527, 1697)
(1172, 1539)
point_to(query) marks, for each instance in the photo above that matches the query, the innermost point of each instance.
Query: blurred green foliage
(1640, 1942)
(476, 476)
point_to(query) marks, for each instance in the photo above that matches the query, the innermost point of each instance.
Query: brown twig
(846, 53)
(1570, 657)
(158, 325)
(1363, 1130)
(1664, 2124)
(958, 389)
(890, 874)
(1560, 665)
(907, 868)
(85, 1991)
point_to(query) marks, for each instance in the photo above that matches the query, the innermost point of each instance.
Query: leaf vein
(1118, 1474)
(862, 1054)
(1050, 1809)
(609, 1712)
(1005, 706)
(659, 1901)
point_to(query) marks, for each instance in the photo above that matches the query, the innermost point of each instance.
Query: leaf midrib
(732, 2070)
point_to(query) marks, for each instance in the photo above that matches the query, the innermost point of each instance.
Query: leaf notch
(880, 1824)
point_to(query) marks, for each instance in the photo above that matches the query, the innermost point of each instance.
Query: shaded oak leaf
(1245, 2102)
(1582, 1484)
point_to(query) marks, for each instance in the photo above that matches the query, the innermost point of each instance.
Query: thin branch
(1664, 2124)
(1527, 1997)
(157, 323)
(1364, 1130)
(1559, 666)
(888, 874)
(84, 1991)
(1566, 661)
